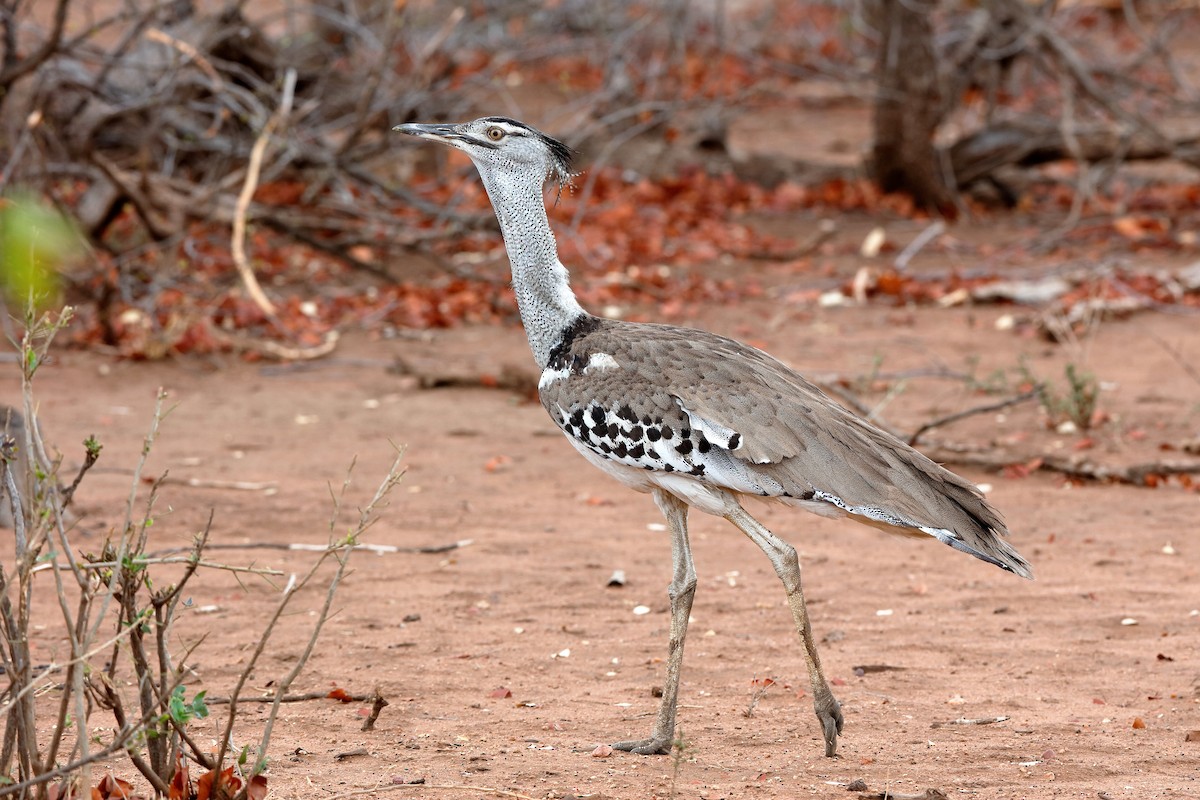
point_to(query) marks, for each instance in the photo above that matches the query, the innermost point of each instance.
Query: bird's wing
(777, 425)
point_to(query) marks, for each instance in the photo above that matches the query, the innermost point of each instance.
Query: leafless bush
(162, 124)
(119, 619)
(964, 91)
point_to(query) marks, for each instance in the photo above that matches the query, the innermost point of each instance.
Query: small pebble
(640, 610)
(1129, 621)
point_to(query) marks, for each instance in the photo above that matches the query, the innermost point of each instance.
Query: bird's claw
(831, 720)
(654, 746)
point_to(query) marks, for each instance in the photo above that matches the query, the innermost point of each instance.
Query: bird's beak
(442, 133)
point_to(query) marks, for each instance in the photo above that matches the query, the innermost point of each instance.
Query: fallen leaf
(227, 785)
(181, 782)
(1138, 724)
(340, 695)
(500, 693)
(257, 789)
(1129, 227)
(112, 788)
(496, 463)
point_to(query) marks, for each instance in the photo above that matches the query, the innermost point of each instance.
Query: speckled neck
(540, 281)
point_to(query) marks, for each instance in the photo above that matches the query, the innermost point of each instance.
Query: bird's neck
(540, 281)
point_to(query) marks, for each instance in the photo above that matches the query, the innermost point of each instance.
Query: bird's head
(503, 144)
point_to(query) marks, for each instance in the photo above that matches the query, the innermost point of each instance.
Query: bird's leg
(787, 567)
(681, 591)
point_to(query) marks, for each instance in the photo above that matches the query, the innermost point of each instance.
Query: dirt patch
(471, 646)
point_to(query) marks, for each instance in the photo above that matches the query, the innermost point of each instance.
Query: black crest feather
(563, 156)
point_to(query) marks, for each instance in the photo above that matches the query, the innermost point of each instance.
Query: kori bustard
(701, 421)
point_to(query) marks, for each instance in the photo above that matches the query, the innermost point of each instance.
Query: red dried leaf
(340, 695)
(1130, 227)
(1022, 470)
(500, 692)
(214, 787)
(181, 781)
(257, 789)
(112, 788)
(1138, 724)
(891, 283)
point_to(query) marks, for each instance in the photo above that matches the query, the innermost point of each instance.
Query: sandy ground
(507, 661)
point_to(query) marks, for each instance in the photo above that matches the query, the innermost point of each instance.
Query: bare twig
(966, 721)
(18, 69)
(381, 549)
(377, 705)
(1071, 466)
(213, 483)
(999, 405)
(293, 698)
(465, 789)
(189, 50)
(931, 232)
(238, 244)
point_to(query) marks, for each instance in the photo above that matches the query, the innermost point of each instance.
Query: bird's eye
(495, 134)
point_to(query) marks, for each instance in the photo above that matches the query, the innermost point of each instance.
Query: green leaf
(35, 241)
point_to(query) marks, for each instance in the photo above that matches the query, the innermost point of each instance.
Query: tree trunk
(908, 106)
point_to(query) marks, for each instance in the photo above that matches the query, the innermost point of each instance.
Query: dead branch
(1074, 466)
(296, 698)
(986, 408)
(462, 788)
(14, 66)
(826, 230)
(967, 721)
(253, 170)
(510, 378)
(379, 549)
(1031, 142)
(377, 706)
(282, 352)
(928, 794)
(212, 483)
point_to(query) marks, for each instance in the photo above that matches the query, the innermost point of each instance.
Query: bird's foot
(654, 746)
(829, 712)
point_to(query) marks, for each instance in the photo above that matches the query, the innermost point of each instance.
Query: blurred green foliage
(35, 242)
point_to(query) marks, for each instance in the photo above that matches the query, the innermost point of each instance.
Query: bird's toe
(654, 746)
(831, 725)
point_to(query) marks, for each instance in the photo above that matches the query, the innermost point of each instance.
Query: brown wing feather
(793, 432)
